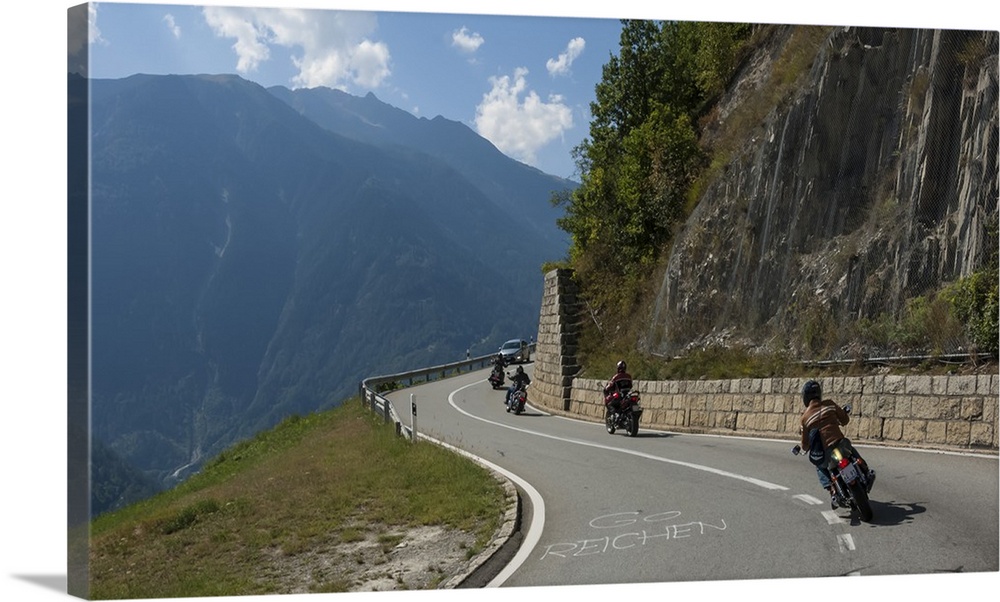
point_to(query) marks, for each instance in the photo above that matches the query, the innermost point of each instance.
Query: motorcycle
(850, 475)
(622, 411)
(496, 377)
(517, 399)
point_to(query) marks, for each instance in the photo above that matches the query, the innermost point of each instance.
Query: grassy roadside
(311, 485)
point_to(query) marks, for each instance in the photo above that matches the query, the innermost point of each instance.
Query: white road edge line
(534, 531)
(709, 469)
(940, 452)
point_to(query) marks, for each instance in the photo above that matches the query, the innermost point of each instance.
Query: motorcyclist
(621, 382)
(498, 364)
(520, 379)
(821, 422)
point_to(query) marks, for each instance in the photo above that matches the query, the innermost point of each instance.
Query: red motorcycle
(496, 377)
(622, 411)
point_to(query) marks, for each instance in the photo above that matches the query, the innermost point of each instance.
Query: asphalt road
(669, 507)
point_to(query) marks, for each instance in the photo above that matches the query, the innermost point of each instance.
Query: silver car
(515, 351)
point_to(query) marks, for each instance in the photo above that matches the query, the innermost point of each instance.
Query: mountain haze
(505, 181)
(249, 263)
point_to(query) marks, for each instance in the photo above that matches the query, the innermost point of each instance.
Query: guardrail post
(413, 417)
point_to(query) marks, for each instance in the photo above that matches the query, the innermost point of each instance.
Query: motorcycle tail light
(843, 462)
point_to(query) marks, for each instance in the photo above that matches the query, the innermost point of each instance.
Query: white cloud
(335, 49)
(93, 33)
(561, 65)
(172, 25)
(519, 128)
(371, 63)
(250, 46)
(465, 41)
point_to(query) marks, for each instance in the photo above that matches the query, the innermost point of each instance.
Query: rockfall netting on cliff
(858, 198)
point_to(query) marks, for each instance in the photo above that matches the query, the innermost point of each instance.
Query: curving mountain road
(668, 507)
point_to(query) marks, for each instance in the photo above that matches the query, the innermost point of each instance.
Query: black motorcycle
(518, 397)
(496, 377)
(622, 411)
(850, 475)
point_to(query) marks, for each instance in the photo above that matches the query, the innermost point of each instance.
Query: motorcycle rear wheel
(861, 502)
(631, 424)
(609, 421)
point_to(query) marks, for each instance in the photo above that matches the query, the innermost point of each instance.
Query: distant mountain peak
(358, 239)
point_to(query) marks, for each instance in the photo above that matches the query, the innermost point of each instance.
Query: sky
(525, 83)
(33, 226)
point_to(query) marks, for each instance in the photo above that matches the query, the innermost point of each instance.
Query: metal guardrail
(374, 400)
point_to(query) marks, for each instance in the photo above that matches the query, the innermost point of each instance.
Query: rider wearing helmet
(821, 422)
(519, 380)
(498, 363)
(621, 382)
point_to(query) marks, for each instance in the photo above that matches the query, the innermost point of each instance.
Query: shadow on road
(644, 435)
(888, 514)
(654, 435)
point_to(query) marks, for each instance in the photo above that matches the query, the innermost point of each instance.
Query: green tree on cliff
(642, 154)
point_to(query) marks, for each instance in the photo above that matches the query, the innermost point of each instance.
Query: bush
(974, 300)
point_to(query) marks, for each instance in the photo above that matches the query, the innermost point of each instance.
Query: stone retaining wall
(946, 412)
(555, 347)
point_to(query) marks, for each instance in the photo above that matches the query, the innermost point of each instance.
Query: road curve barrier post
(413, 417)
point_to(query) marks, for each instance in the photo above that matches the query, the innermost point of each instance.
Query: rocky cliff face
(873, 183)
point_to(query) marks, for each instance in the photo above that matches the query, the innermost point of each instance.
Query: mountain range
(255, 252)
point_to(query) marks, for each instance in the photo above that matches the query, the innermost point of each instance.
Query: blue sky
(523, 82)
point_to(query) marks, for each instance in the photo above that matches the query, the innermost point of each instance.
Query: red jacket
(613, 383)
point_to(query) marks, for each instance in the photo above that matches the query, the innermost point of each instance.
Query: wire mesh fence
(860, 221)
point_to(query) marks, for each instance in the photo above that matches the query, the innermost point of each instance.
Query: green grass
(311, 483)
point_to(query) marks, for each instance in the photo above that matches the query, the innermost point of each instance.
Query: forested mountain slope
(249, 264)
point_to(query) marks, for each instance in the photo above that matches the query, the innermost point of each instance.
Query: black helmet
(520, 370)
(810, 391)
(621, 366)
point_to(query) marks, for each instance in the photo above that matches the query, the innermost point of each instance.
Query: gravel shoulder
(415, 558)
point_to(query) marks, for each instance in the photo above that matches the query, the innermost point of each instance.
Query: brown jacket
(826, 416)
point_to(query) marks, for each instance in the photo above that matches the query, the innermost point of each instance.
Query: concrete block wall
(942, 412)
